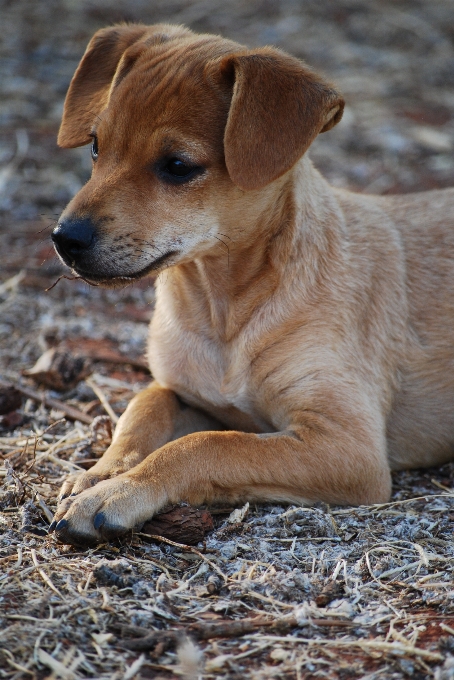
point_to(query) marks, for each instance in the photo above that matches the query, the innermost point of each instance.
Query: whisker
(149, 243)
(228, 250)
(48, 226)
(70, 278)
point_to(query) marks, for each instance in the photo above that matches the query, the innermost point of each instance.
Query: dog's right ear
(89, 89)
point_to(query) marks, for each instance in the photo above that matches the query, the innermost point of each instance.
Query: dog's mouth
(115, 279)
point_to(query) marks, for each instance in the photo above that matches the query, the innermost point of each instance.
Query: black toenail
(63, 523)
(62, 498)
(52, 526)
(99, 520)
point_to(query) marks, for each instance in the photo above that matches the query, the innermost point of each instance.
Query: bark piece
(70, 412)
(59, 370)
(9, 421)
(330, 592)
(10, 399)
(181, 523)
(105, 352)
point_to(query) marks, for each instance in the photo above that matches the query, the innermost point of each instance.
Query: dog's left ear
(277, 109)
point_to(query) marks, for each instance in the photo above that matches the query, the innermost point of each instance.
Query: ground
(325, 592)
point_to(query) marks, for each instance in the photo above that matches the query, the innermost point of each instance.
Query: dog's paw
(78, 482)
(107, 510)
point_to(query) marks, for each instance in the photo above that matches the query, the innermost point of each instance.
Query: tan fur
(301, 344)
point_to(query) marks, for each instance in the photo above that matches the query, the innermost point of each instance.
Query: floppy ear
(89, 89)
(278, 107)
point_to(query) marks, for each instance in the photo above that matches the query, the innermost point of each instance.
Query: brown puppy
(308, 360)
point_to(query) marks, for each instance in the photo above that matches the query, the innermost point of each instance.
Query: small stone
(10, 399)
(280, 654)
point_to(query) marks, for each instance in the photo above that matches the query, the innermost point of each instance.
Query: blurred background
(392, 59)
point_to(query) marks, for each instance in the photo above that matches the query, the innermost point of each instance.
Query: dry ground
(347, 593)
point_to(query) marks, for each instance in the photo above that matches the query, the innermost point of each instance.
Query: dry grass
(321, 592)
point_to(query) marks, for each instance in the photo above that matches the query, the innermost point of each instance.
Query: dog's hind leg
(153, 418)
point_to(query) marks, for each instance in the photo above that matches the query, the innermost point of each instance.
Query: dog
(301, 345)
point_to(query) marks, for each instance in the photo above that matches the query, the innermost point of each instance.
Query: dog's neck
(233, 281)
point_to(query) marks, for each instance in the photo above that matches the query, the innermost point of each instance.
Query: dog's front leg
(301, 464)
(153, 418)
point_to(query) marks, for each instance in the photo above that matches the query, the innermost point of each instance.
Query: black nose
(72, 237)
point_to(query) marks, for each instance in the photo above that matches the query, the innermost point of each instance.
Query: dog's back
(410, 240)
(421, 426)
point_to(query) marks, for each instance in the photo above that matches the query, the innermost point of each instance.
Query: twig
(188, 548)
(67, 439)
(49, 515)
(43, 575)
(379, 645)
(102, 398)
(380, 506)
(70, 412)
(17, 666)
(34, 619)
(448, 629)
(112, 357)
(12, 283)
(317, 539)
(442, 486)
(220, 629)
(56, 666)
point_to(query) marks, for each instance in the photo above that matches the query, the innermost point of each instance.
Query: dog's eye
(176, 171)
(178, 168)
(94, 148)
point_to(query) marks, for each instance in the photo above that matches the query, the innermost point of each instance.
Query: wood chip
(181, 523)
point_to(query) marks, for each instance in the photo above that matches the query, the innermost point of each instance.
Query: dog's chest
(210, 375)
(209, 372)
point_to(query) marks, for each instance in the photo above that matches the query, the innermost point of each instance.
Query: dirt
(384, 572)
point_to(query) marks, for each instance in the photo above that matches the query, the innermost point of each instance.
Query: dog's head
(187, 132)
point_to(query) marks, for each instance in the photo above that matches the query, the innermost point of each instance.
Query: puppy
(302, 344)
